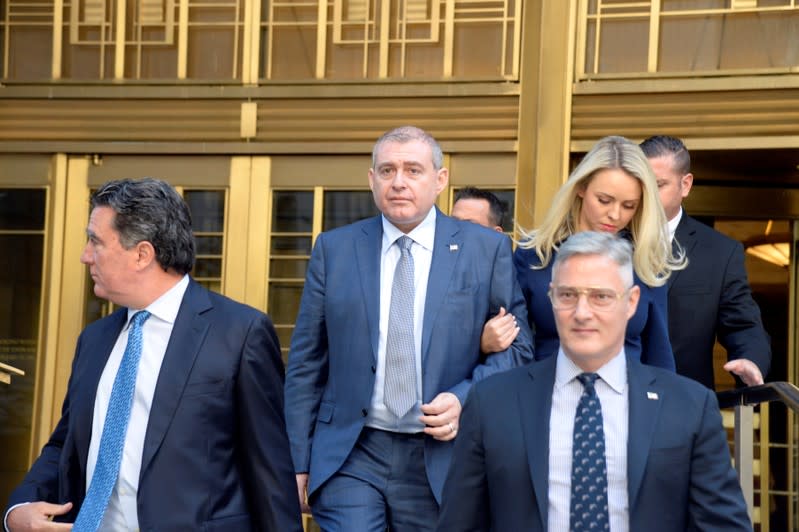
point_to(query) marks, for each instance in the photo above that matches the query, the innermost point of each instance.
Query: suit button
(374, 369)
(364, 412)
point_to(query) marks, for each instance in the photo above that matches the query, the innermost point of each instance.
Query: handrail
(6, 371)
(771, 391)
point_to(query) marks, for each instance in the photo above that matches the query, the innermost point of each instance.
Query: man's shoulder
(684, 387)
(707, 234)
(352, 230)
(507, 382)
(114, 320)
(225, 304)
(472, 229)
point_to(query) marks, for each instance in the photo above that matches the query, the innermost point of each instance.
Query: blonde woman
(613, 190)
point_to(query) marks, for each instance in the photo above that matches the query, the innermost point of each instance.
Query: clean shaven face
(404, 182)
(588, 336)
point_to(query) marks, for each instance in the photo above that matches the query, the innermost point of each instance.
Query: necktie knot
(139, 318)
(405, 243)
(588, 380)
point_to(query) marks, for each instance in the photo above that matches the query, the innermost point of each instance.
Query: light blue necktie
(112, 441)
(589, 493)
(399, 391)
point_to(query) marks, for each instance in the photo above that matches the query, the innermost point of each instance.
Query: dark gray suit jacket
(711, 298)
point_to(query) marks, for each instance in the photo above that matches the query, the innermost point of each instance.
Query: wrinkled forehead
(407, 152)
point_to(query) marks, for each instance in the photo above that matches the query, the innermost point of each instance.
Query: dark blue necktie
(112, 440)
(399, 390)
(589, 497)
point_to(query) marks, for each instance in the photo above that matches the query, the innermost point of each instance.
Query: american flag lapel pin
(652, 395)
(453, 247)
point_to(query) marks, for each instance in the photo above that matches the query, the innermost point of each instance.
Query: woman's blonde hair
(652, 256)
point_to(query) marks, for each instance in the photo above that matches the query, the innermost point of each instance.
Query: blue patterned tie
(589, 497)
(399, 392)
(112, 441)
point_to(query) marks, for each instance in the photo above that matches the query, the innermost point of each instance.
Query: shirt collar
(614, 372)
(167, 306)
(423, 234)
(673, 223)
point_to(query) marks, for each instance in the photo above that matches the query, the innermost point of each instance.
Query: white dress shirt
(423, 236)
(121, 513)
(673, 223)
(611, 388)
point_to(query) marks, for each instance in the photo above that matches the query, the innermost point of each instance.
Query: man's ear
(145, 254)
(686, 182)
(442, 179)
(635, 295)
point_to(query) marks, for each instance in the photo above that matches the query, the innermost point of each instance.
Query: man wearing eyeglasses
(591, 439)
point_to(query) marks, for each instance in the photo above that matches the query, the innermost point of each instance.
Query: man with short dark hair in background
(711, 297)
(173, 417)
(485, 208)
(479, 206)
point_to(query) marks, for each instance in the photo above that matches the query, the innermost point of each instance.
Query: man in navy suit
(711, 297)
(205, 447)
(363, 462)
(651, 452)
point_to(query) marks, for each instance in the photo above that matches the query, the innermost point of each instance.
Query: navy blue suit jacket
(709, 299)
(333, 356)
(679, 475)
(647, 336)
(216, 455)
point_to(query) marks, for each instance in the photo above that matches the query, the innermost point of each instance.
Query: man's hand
(441, 416)
(746, 370)
(499, 332)
(37, 516)
(302, 492)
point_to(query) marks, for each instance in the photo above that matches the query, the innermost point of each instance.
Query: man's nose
(400, 181)
(85, 257)
(583, 308)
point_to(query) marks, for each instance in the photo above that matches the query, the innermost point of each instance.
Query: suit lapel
(685, 236)
(644, 398)
(447, 247)
(188, 335)
(368, 247)
(82, 407)
(535, 406)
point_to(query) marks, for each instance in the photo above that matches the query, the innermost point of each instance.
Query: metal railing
(743, 401)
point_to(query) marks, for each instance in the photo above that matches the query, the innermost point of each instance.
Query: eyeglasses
(601, 299)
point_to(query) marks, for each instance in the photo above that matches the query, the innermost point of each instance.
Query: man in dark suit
(590, 438)
(710, 298)
(198, 440)
(371, 443)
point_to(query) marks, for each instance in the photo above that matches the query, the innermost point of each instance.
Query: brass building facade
(263, 114)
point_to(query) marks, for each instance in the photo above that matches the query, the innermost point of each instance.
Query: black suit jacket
(216, 454)
(711, 298)
(679, 475)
